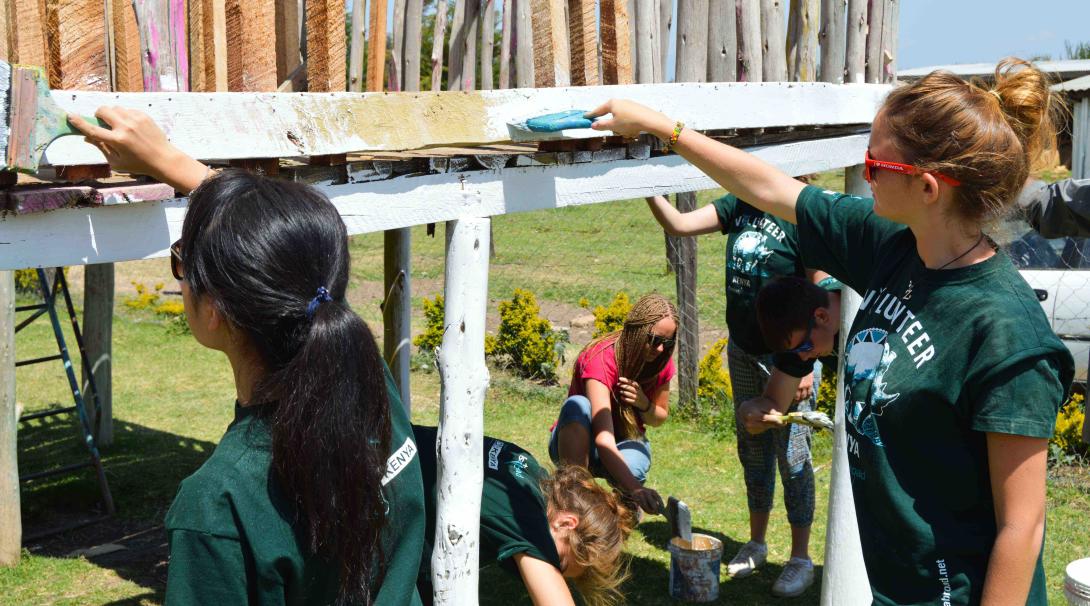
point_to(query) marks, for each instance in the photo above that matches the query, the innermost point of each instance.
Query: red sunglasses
(870, 165)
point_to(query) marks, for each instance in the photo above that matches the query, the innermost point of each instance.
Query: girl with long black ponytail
(314, 493)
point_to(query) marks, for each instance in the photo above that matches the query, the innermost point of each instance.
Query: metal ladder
(88, 428)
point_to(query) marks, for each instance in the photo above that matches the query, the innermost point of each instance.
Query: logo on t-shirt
(494, 455)
(399, 460)
(750, 253)
(866, 363)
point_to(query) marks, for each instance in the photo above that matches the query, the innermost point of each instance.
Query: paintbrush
(681, 519)
(30, 119)
(541, 127)
(813, 418)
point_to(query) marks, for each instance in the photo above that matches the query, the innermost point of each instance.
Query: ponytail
(262, 250)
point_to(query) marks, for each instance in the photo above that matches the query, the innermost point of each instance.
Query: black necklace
(908, 291)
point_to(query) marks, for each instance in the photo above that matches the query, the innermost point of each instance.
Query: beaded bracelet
(673, 137)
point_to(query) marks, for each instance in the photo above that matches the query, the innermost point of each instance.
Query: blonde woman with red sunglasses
(954, 376)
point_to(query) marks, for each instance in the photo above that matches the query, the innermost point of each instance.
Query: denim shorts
(636, 453)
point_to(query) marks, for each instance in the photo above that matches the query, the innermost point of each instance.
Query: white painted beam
(269, 125)
(78, 236)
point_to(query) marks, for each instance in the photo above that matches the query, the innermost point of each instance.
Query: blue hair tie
(321, 297)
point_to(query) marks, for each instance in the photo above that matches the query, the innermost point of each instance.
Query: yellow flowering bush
(1068, 434)
(611, 318)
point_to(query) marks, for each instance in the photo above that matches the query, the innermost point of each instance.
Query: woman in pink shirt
(620, 384)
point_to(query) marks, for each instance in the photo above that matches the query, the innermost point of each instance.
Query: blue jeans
(636, 453)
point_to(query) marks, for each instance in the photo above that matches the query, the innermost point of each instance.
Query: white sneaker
(797, 576)
(748, 559)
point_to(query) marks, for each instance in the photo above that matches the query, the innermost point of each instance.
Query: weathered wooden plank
(803, 48)
(457, 43)
(773, 41)
(11, 525)
(890, 16)
(207, 45)
(28, 41)
(163, 39)
(251, 59)
(437, 46)
(97, 327)
(833, 40)
(7, 36)
(722, 41)
(140, 231)
(221, 126)
(855, 55)
(524, 44)
(692, 41)
(25, 200)
(128, 73)
(397, 50)
(552, 56)
(666, 23)
(507, 41)
(617, 65)
(648, 47)
(397, 308)
(414, 20)
(289, 22)
(583, 38)
(325, 46)
(376, 42)
(488, 42)
(875, 17)
(750, 51)
(76, 31)
(357, 42)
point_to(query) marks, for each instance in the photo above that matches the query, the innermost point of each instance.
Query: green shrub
(432, 337)
(1066, 443)
(609, 319)
(173, 311)
(826, 396)
(526, 341)
(713, 381)
(26, 281)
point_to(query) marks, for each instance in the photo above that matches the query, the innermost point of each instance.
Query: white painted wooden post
(844, 581)
(11, 526)
(464, 376)
(98, 317)
(1080, 140)
(397, 309)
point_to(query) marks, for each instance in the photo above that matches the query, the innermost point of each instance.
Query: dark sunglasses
(807, 344)
(655, 340)
(176, 267)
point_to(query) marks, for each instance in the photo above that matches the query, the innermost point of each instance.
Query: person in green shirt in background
(314, 495)
(954, 377)
(545, 529)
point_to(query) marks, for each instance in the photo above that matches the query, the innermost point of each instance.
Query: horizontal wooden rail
(106, 234)
(271, 125)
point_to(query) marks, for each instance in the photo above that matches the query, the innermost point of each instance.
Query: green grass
(173, 399)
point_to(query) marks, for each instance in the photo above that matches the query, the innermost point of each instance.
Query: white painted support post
(397, 309)
(11, 525)
(844, 581)
(1080, 140)
(98, 317)
(464, 376)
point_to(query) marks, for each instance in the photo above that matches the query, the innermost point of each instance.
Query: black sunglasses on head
(655, 340)
(176, 267)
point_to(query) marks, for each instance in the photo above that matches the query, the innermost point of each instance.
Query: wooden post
(855, 55)
(692, 66)
(844, 581)
(77, 45)
(552, 58)
(802, 48)
(289, 20)
(414, 20)
(832, 37)
(890, 16)
(583, 36)
(472, 28)
(163, 39)
(357, 41)
(98, 313)
(397, 52)
(456, 52)
(648, 49)
(488, 41)
(773, 41)
(506, 42)
(27, 38)
(616, 44)
(397, 310)
(325, 46)
(750, 52)
(875, 17)
(11, 525)
(454, 562)
(1080, 140)
(207, 45)
(376, 44)
(127, 71)
(524, 44)
(722, 41)
(251, 58)
(437, 45)
(666, 23)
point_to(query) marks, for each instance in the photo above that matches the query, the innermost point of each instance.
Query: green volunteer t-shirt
(935, 359)
(513, 518)
(760, 247)
(231, 535)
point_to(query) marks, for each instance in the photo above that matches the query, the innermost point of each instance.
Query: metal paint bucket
(694, 568)
(1077, 583)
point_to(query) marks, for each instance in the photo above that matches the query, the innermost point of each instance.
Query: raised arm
(676, 223)
(744, 175)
